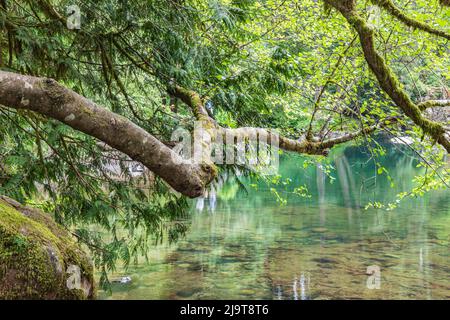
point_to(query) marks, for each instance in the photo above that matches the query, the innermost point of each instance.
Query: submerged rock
(38, 258)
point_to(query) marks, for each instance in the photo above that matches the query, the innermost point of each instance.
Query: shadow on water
(247, 246)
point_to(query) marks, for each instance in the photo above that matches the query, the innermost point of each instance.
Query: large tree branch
(47, 97)
(386, 78)
(304, 146)
(392, 9)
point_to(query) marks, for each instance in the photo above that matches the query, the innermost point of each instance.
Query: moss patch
(35, 254)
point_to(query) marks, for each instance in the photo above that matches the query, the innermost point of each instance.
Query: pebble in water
(247, 292)
(188, 292)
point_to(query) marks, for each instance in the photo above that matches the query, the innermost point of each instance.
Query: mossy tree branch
(385, 76)
(192, 99)
(433, 104)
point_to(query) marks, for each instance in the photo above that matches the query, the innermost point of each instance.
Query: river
(326, 246)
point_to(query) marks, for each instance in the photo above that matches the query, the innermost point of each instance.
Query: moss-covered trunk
(38, 258)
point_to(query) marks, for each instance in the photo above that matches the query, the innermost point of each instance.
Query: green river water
(248, 246)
